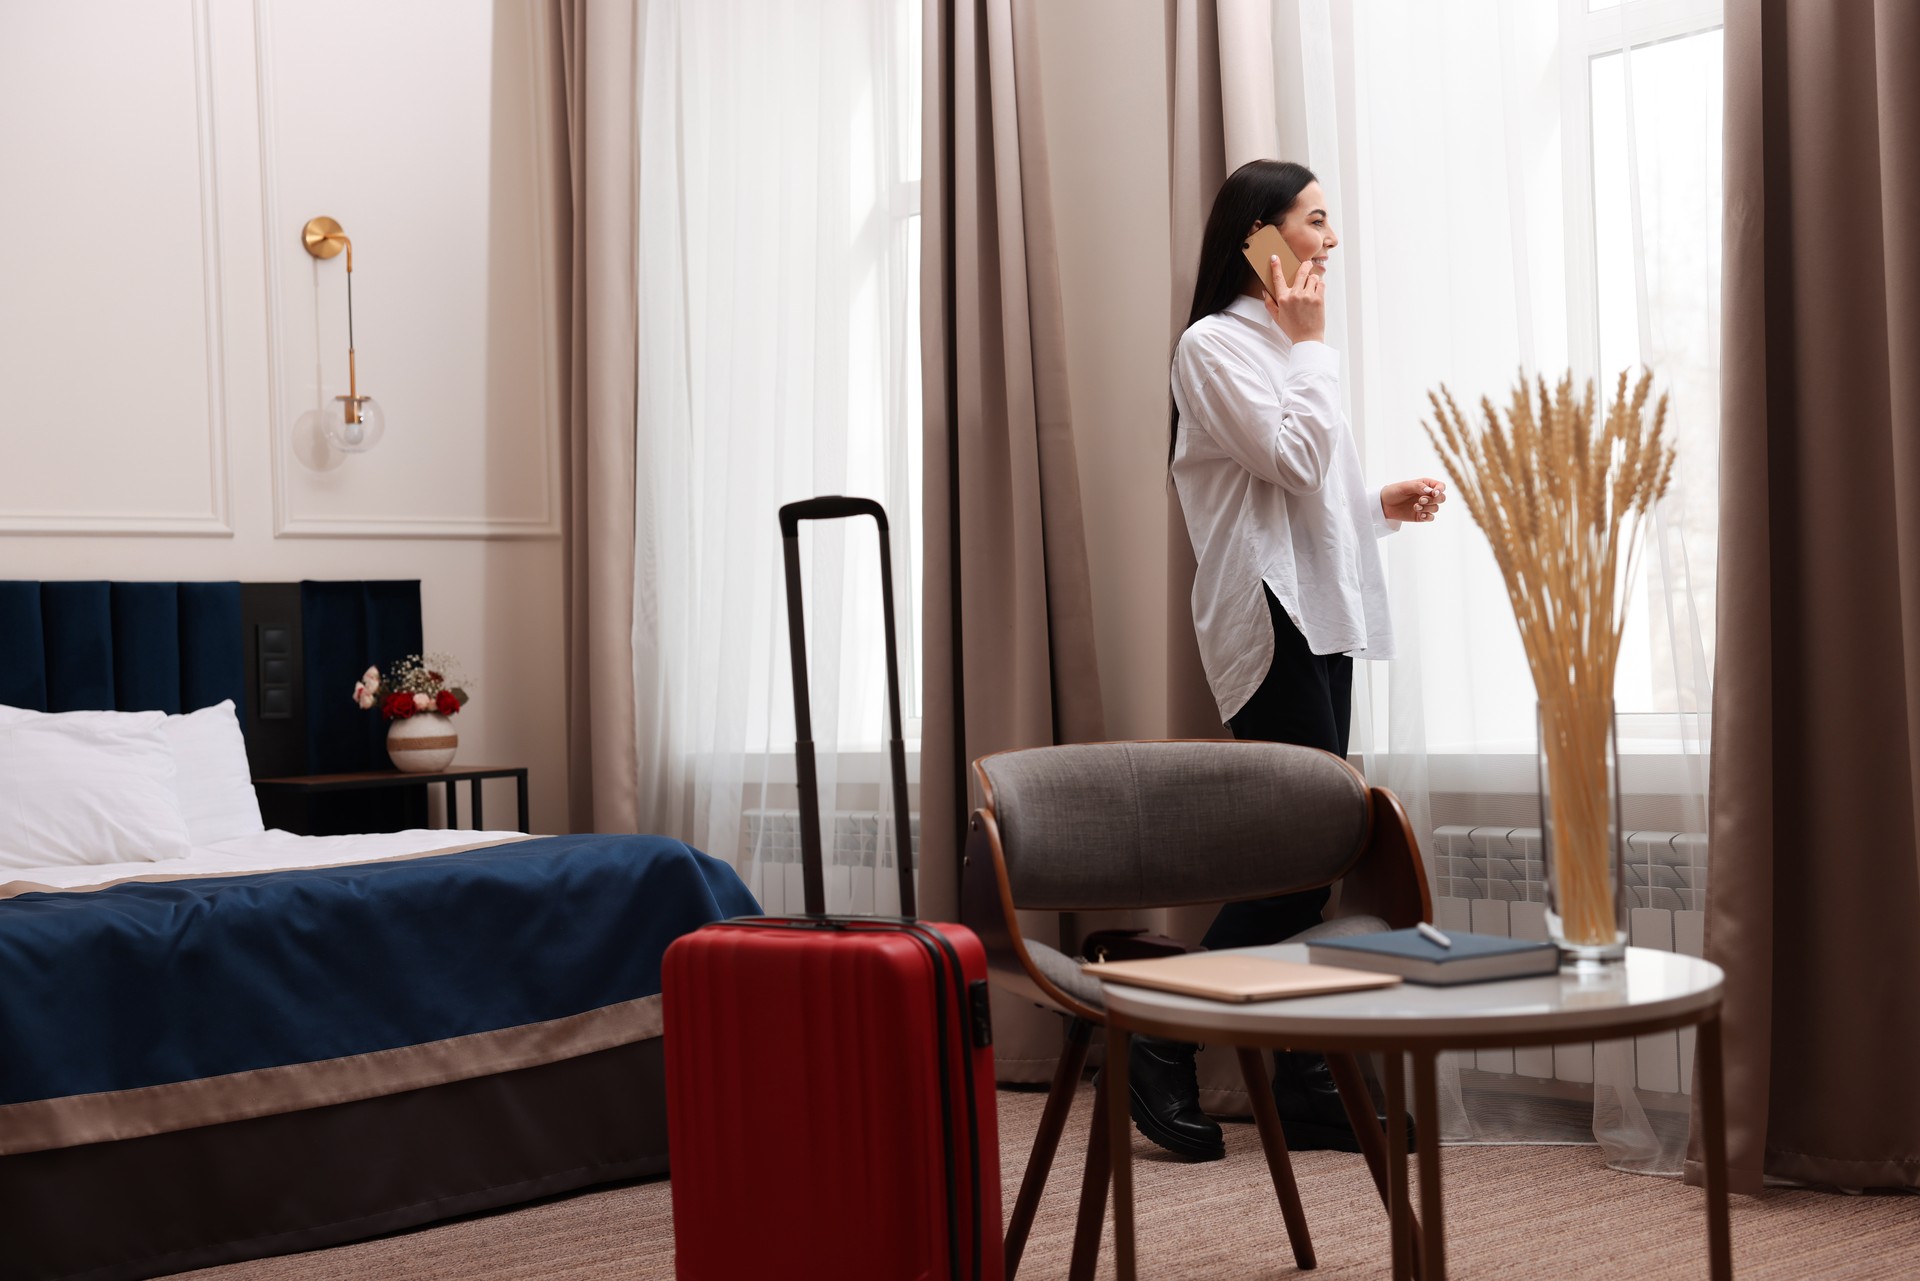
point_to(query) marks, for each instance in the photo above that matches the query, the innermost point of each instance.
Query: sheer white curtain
(1531, 185)
(778, 241)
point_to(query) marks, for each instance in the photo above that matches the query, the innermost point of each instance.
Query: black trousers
(1307, 698)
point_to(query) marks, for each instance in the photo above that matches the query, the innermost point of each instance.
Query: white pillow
(212, 776)
(87, 788)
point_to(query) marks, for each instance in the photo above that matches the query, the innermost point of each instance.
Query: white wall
(161, 327)
(1103, 70)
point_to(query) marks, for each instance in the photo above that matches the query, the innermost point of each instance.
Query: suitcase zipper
(973, 1011)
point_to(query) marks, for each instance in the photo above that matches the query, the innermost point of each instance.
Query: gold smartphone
(1260, 249)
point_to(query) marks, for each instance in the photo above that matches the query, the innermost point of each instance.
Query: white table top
(1648, 987)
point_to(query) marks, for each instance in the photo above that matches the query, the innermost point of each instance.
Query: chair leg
(1366, 1127)
(1052, 1121)
(1093, 1195)
(1266, 1118)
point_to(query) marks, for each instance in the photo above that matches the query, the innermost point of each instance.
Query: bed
(267, 1042)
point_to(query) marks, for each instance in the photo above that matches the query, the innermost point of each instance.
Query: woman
(1289, 587)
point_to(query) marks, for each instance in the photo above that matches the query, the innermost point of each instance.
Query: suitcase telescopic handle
(812, 860)
(829, 507)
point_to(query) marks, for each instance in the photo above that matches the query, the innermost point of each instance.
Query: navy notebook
(1473, 958)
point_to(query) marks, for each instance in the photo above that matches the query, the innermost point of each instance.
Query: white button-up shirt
(1269, 481)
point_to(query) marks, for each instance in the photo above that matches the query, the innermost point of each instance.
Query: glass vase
(1580, 830)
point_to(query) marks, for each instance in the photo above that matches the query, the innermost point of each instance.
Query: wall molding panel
(216, 520)
(300, 509)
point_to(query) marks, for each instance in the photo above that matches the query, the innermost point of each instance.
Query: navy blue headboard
(345, 627)
(132, 647)
(178, 647)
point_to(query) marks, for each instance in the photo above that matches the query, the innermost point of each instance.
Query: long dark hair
(1258, 191)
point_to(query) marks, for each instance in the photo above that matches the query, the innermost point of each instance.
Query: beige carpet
(1517, 1212)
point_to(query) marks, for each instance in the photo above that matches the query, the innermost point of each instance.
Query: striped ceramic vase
(422, 743)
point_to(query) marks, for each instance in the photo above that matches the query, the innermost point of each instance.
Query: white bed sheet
(269, 851)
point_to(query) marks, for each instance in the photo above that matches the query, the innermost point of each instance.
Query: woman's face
(1308, 230)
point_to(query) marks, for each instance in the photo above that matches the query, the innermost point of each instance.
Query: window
(777, 259)
(1643, 101)
(1532, 185)
(883, 427)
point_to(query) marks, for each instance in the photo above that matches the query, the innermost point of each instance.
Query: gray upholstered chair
(1106, 826)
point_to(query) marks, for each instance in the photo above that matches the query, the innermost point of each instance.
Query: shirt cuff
(1381, 525)
(1313, 357)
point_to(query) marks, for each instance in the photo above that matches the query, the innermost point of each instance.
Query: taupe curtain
(1196, 166)
(1814, 899)
(1009, 650)
(1221, 113)
(593, 47)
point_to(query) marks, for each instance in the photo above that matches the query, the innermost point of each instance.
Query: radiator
(1490, 881)
(858, 852)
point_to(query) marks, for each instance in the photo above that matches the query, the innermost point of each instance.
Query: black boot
(1311, 1114)
(1165, 1102)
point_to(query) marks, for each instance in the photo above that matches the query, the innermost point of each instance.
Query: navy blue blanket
(146, 984)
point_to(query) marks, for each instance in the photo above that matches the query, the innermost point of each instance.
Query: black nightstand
(308, 785)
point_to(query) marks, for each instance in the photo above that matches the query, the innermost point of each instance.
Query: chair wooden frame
(1385, 879)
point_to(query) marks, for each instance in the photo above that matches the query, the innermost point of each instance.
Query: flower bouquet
(1560, 493)
(417, 696)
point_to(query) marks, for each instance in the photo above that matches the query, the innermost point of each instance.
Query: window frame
(1584, 36)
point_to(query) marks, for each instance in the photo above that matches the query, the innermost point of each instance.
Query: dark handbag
(1131, 945)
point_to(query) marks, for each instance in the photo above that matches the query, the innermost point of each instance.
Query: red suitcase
(830, 1089)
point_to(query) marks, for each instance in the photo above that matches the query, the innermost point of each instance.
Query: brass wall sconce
(360, 422)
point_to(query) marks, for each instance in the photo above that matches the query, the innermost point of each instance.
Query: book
(1235, 976)
(1473, 958)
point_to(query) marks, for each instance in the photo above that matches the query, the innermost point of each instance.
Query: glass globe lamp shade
(355, 437)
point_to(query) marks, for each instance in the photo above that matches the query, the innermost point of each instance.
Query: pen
(1429, 932)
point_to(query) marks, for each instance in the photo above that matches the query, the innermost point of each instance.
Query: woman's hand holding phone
(1300, 309)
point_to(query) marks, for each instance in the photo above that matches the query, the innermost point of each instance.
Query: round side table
(1651, 991)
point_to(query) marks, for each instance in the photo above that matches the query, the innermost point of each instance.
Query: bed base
(146, 1207)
